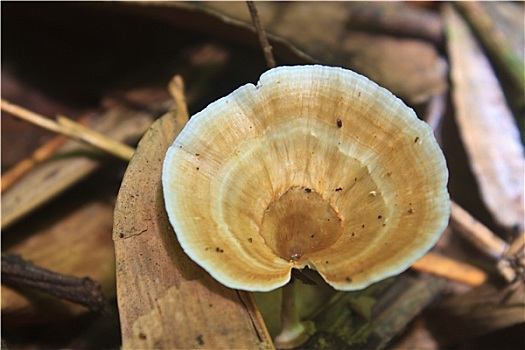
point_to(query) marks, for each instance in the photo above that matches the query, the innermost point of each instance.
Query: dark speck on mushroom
(348, 279)
(338, 189)
(250, 240)
(219, 250)
(363, 226)
(379, 216)
(308, 190)
(416, 139)
(197, 168)
(339, 122)
(199, 340)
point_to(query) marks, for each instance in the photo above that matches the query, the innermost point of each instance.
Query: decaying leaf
(321, 32)
(483, 310)
(166, 300)
(487, 127)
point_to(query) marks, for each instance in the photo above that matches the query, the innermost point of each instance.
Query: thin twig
(72, 129)
(40, 155)
(512, 266)
(21, 273)
(263, 39)
(176, 89)
(477, 233)
(451, 269)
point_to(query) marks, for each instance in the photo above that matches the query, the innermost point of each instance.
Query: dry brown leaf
(166, 300)
(319, 32)
(487, 127)
(320, 29)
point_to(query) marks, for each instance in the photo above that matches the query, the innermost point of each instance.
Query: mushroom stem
(293, 331)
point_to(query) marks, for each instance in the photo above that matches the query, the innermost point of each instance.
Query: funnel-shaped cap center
(300, 222)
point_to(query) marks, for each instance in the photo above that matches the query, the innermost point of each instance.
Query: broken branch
(21, 273)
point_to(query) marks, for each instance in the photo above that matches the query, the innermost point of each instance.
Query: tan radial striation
(315, 166)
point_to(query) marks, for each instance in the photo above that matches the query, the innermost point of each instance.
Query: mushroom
(313, 167)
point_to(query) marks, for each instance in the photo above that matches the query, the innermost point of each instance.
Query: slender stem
(289, 316)
(293, 331)
(263, 39)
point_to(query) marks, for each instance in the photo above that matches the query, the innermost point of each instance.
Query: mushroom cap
(314, 167)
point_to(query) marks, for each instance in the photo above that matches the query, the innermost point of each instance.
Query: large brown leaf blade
(487, 128)
(166, 300)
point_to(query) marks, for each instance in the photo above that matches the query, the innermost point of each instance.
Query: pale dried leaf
(487, 127)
